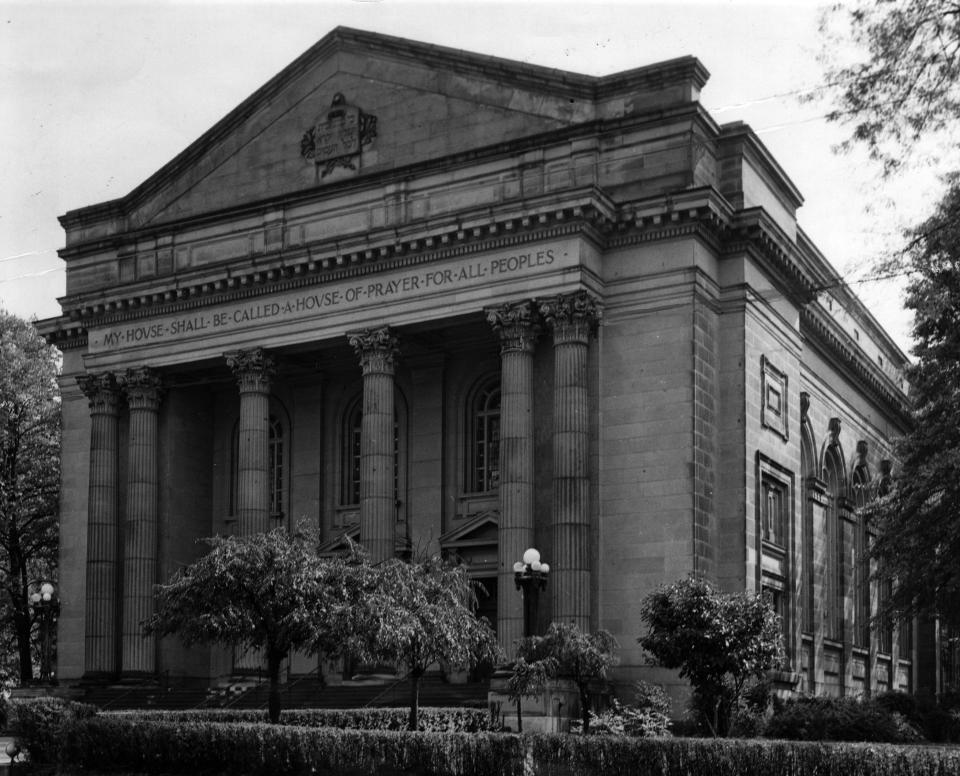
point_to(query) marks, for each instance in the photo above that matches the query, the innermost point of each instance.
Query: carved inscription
(354, 293)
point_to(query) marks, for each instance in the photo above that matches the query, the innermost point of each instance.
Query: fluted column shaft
(253, 370)
(101, 652)
(517, 327)
(143, 390)
(377, 351)
(572, 318)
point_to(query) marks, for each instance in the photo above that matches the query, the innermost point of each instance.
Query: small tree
(528, 679)
(718, 641)
(269, 592)
(585, 658)
(419, 614)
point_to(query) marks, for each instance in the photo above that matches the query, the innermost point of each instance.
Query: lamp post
(530, 576)
(46, 608)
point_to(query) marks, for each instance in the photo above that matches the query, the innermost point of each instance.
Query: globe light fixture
(46, 609)
(530, 576)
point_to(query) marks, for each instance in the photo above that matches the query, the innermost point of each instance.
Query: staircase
(114, 697)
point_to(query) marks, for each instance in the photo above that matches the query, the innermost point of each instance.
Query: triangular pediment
(341, 543)
(302, 130)
(478, 530)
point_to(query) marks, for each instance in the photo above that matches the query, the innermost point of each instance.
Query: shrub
(647, 717)
(840, 719)
(620, 720)
(935, 719)
(124, 743)
(38, 723)
(719, 641)
(432, 720)
(111, 742)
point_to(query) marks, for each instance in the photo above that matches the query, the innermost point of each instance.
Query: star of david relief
(338, 139)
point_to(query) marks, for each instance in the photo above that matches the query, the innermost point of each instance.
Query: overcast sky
(95, 97)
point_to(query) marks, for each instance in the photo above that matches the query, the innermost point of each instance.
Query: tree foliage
(527, 679)
(719, 641)
(905, 88)
(918, 523)
(268, 592)
(566, 651)
(903, 99)
(420, 613)
(29, 481)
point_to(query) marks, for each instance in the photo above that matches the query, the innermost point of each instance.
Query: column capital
(252, 368)
(143, 388)
(103, 392)
(518, 325)
(573, 317)
(376, 348)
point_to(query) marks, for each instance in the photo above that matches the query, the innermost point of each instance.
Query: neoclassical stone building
(444, 302)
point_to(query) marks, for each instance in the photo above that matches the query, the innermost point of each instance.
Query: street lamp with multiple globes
(46, 608)
(530, 576)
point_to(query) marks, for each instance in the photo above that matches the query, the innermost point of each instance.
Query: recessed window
(773, 509)
(483, 458)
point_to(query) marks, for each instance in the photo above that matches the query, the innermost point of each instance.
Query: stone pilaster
(253, 370)
(101, 652)
(142, 388)
(518, 327)
(377, 351)
(573, 318)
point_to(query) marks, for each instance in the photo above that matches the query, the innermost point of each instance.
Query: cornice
(831, 281)
(579, 213)
(821, 331)
(753, 231)
(508, 149)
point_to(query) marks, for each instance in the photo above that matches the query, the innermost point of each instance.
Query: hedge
(431, 719)
(38, 723)
(113, 743)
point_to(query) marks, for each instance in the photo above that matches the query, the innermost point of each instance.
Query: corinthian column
(377, 351)
(572, 317)
(253, 370)
(517, 326)
(143, 390)
(100, 642)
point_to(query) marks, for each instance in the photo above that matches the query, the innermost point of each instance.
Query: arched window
(860, 491)
(835, 478)
(808, 458)
(483, 424)
(350, 462)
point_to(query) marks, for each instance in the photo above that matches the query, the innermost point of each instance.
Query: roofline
(537, 76)
(743, 131)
